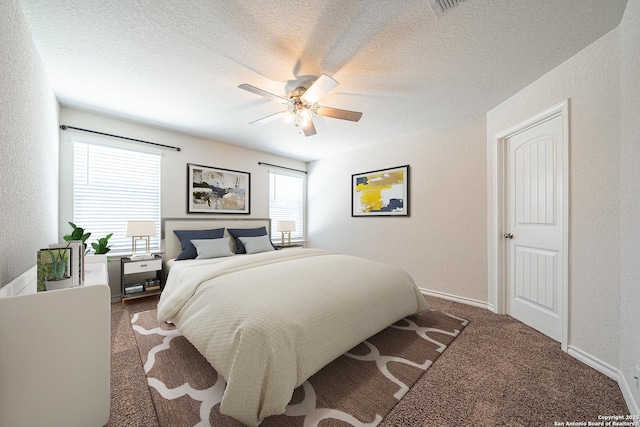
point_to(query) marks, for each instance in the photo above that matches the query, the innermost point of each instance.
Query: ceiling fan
(302, 104)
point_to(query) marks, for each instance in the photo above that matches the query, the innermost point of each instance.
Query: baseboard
(610, 371)
(594, 362)
(628, 395)
(455, 298)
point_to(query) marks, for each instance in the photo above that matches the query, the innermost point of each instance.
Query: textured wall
(28, 148)
(630, 195)
(591, 81)
(442, 243)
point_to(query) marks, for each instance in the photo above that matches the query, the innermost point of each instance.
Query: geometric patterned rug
(358, 388)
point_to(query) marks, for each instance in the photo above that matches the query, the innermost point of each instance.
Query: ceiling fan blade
(337, 113)
(268, 119)
(309, 129)
(264, 93)
(322, 86)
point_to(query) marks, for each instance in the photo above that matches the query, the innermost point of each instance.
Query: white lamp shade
(285, 226)
(141, 228)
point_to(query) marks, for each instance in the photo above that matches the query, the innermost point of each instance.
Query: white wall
(630, 195)
(442, 244)
(28, 148)
(590, 80)
(174, 163)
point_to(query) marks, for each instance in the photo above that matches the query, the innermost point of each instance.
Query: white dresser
(55, 350)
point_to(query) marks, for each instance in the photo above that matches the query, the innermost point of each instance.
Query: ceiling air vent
(440, 7)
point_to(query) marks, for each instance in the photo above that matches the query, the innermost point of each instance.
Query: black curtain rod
(65, 127)
(281, 167)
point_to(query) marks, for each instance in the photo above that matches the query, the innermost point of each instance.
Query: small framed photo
(383, 192)
(217, 191)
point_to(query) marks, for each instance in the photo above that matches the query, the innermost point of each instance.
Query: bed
(269, 320)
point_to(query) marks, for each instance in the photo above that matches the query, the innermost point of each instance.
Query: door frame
(499, 245)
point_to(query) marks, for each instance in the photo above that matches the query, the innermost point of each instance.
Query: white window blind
(111, 186)
(286, 202)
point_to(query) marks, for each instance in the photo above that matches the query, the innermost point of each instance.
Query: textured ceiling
(177, 64)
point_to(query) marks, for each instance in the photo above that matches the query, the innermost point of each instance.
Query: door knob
(508, 236)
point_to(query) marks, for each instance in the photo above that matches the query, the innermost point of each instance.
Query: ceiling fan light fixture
(305, 115)
(302, 105)
(289, 116)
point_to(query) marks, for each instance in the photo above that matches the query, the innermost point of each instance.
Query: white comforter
(267, 322)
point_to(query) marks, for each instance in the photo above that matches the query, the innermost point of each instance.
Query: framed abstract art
(217, 190)
(383, 192)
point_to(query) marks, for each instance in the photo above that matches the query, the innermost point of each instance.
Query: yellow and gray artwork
(381, 192)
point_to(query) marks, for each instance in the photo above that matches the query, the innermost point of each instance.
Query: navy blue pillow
(186, 236)
(245, 232)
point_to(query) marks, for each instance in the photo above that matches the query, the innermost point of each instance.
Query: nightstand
(141, 278)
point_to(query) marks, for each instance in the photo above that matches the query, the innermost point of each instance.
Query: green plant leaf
(101, 246)
(59, 262)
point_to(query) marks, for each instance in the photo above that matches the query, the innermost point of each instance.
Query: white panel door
(535, 227)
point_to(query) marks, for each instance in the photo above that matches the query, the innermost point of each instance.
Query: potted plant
(101, 246)
(59, 262)
(77, 234)
(93, 261)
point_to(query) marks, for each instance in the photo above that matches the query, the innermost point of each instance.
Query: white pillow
(254, 245)
(212, 248)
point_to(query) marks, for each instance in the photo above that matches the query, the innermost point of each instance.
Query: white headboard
(172, 244)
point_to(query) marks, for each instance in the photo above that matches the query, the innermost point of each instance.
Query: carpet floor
(497, 372)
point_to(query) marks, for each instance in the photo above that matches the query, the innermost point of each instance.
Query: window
(286, 202)
(112, 185)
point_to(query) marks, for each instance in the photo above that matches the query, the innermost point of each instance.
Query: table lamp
(141, 230)
(286, 227)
